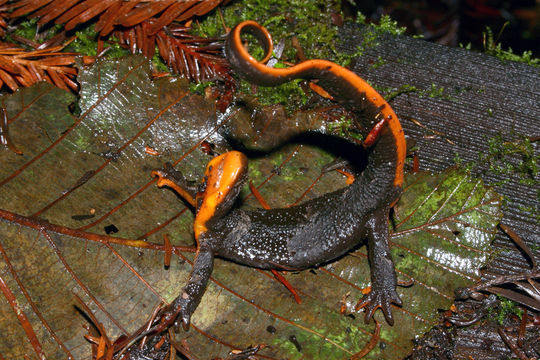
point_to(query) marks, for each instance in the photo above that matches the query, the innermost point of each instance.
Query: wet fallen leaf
(96, 163)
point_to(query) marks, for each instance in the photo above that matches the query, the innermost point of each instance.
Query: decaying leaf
(90, 171)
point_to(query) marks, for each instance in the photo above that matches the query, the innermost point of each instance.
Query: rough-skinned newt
(315, 231)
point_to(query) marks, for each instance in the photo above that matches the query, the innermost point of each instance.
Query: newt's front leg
(383, 276)
(214, 197)
(169, 176)
(185, 304)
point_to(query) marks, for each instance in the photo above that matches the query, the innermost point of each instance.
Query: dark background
(455, 22)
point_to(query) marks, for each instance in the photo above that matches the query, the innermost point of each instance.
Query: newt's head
(222, 182)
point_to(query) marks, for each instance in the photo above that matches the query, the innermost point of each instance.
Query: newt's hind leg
(383, 276)
(340, 164)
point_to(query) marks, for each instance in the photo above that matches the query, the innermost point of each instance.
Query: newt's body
(316, 231)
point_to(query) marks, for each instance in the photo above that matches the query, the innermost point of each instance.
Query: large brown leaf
(91, 171)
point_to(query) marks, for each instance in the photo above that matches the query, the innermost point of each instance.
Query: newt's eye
(223, 180)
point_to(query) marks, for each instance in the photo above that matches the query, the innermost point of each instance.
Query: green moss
(389, 26)
(512, 159)
(289, 94)
(200, 87)
(499, 151)
(345, 128)
(437, 92)
(433, 91)
(457, 159)
(505, 309)
(403, 89)
(310, 21)
(467, 167)
(158, 63)
(27, 29)
(370, 37)
(85, 43)
(492, 47)
(534, 247)
(378, 63)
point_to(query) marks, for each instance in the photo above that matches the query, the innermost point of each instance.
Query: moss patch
(492, 47)
(310, 22)
(505, 309)
(511, 159)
